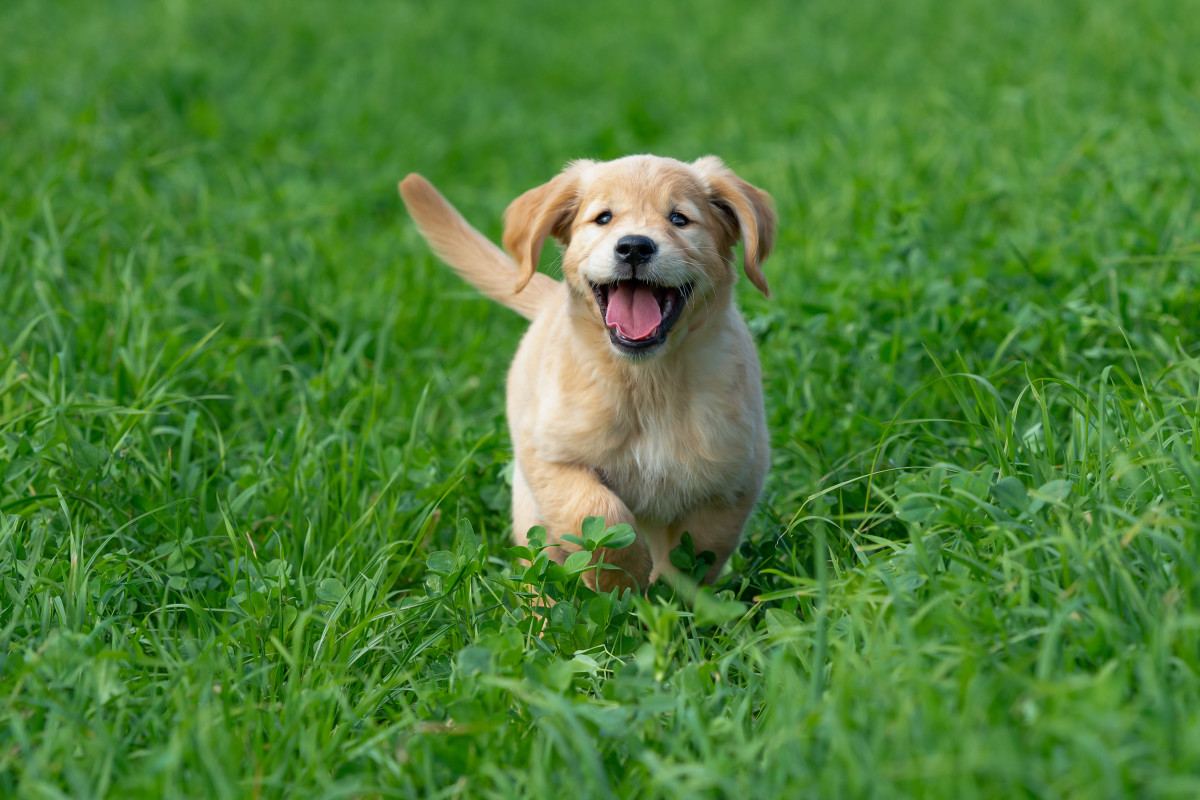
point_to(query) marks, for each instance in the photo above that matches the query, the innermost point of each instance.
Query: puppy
(636, 394)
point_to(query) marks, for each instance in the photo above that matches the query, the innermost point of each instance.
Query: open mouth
(639, 315)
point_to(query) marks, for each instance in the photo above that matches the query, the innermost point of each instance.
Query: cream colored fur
(669, 442)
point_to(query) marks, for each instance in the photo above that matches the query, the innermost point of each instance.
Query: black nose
(634, 250)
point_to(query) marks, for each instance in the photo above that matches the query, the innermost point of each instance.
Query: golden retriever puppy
(636, 393)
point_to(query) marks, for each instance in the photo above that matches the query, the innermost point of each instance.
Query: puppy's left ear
(543, 211)
(747, 210)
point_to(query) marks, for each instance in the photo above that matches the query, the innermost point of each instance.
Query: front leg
(717, 529)
(559, 497)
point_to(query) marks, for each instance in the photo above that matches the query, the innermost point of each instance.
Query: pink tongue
(634, 312)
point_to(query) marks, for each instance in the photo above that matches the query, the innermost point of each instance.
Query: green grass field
(254, 509)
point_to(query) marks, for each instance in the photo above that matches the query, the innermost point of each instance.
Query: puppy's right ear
(547, 210)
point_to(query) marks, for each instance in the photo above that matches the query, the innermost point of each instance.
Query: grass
(253, 511)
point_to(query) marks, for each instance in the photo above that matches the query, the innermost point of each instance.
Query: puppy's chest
(660, 467)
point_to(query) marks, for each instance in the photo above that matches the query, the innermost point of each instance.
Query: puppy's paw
(623, 568)
(633, 570)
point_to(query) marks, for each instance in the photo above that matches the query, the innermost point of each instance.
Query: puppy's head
(648, 241)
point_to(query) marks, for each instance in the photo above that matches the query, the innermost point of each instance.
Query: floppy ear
(747, 210)
(546, 210)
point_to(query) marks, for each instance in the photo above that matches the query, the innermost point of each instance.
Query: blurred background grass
(233, 382)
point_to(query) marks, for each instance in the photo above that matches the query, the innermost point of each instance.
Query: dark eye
(678, 220)
(604, 218)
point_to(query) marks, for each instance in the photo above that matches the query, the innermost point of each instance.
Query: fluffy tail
(472, 255)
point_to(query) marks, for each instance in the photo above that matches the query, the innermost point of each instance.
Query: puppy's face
(648, 241)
